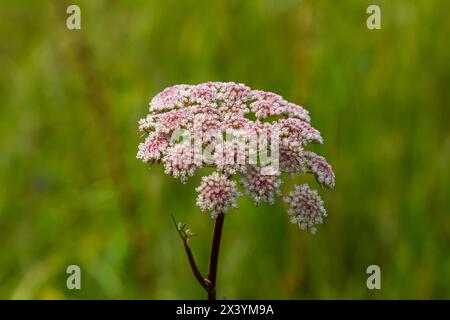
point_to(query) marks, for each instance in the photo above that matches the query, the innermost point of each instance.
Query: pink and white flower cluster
(237, 131)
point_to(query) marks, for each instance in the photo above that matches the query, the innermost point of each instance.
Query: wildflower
(320, 168)
(297, 131)
(291, 160)
(259, 187)
(240, 133)
(179, 161)
(231, 157)
(305, 208)
(216, 193)
(153, 147)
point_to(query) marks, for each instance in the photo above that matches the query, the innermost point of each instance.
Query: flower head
(305, 207)
(153, 147)
(320, 168)
(216, 193)
(260, 187)
(237, 131)
(179, 161)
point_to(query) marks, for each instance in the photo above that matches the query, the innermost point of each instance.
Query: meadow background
(72, 191)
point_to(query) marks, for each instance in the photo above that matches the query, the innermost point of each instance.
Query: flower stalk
(208, 283)
(218, 226)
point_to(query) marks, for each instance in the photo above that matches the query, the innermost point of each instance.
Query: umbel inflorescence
(249, 137)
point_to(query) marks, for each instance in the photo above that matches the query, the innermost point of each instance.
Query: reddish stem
(215, 256)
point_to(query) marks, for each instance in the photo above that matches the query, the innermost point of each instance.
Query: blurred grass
(72, 192)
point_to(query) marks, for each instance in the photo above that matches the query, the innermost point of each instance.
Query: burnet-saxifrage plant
(249, 138)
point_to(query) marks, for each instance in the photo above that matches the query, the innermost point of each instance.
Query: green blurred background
(72, 191)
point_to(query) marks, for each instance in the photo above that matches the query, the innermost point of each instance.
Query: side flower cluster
(305, 207)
